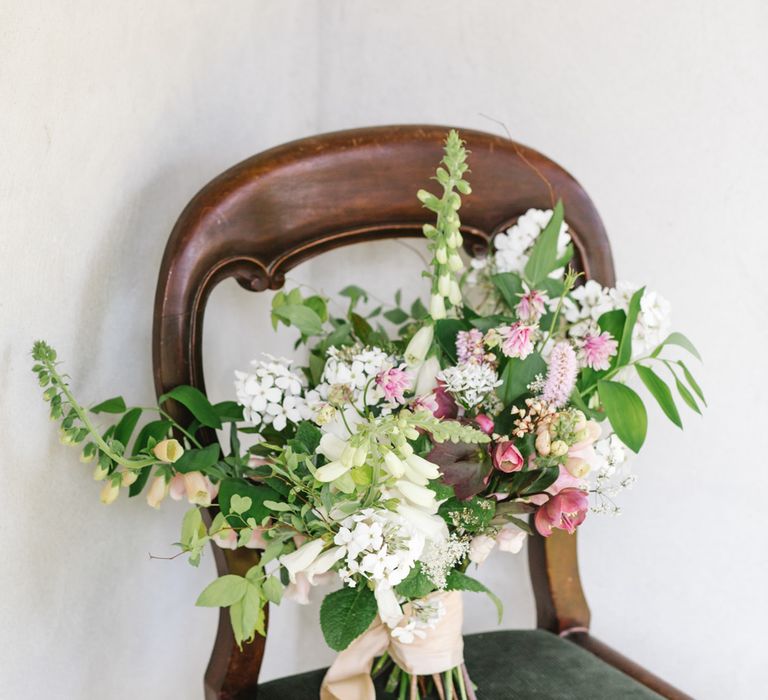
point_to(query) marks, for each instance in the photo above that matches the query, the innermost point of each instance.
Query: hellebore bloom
(506, 457)
(566, 510)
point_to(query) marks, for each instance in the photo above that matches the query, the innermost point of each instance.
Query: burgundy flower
(565, 511)
(506, 457)
(462, 466)
(446, 406)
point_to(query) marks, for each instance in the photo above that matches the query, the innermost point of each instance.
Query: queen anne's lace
(469, 383)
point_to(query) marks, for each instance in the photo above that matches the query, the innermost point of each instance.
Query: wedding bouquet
(411, 443)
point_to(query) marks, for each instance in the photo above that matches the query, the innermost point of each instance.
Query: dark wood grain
(271, 212)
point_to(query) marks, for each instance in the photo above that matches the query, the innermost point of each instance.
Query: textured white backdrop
(114, 114)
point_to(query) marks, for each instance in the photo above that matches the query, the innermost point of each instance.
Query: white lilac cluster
(347, 373)
(469, 382)
(271, 394)
(591, 300)
(439, 557)
(611, 475)
(513, 247)
(424, 615)
(380, 546)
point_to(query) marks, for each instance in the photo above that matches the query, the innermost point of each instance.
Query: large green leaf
(693, 383)
(683, 390)
(197, 403)
(258, 493)
(113, 405)
(223, 592)
(626, 413)
(198, 460)
(446, 330)
(416, 584)
(510, 286)
(458, 581)
(303, 317)
(155, 430)
(346, 614)
(543, 258)
(125, 427)
(661, 392)
(625, 344)
(680, 340)
(518, 374)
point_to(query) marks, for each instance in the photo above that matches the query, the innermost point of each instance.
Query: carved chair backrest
(269, 213)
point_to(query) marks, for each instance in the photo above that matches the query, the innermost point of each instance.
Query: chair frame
(271, 212)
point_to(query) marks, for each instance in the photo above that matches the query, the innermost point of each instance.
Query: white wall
(113, 115)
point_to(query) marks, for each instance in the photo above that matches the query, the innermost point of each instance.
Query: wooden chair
(269, 213)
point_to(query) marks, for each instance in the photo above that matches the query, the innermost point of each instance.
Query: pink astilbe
(597, 350)
(561, 376)
(394, 382)
(531, 306)
(517, 340)
(469, 346)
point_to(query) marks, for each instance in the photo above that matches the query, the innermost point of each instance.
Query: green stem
(167, 416)
(460, 677)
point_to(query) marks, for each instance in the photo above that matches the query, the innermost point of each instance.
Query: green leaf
(125, 427)
(613, 322)
(113, 405)
(518, 374)
(661, 392)
(683, 390)
(474, 513)
(543, 257)
(680, 340)
(154, 430)
(308, 434)
(346, 614)
(416, 584)
(362, 328)
(198, 460)
(693, 383)
(318, 305)
(303, 317)
(253, 612)
(625, 411)
(273, 589)
(257, 493)
(228, 411)
(197, 403)
(223, 592)
(625, 344)
(458, 581)
(510, 286)
(239, 504)
(355, 293)
(418, 310)
(446, 330)
(396, 316)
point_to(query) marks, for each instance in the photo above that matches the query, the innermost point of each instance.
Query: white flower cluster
(611, 476)
(593, 300)
(425, 614)
(348, 371)
(271, 394)
(469, 382)
(439, 557)
(513, 247)
(380, 546)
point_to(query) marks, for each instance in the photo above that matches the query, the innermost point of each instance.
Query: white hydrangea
(469, 382)
(513, 247)
(271, 394)
(381, 546)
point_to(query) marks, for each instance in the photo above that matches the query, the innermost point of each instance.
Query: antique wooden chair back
(267, 214)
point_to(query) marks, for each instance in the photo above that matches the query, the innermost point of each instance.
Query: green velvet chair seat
(524, 664)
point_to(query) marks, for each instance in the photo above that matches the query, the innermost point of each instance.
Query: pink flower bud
(484, 423)
(506, 457)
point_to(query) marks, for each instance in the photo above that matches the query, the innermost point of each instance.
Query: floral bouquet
(410, 445)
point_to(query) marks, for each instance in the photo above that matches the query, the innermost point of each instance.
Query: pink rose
(506, 457)
(565, 510)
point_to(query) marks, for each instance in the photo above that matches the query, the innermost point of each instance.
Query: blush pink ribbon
(349, 677)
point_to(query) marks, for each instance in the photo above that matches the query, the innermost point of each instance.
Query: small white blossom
(425, 615)
(440, 557)
(470, 382)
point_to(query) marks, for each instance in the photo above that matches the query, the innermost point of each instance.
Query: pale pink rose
(597, 350)
(506, 457)
(517, 340)
(531, 306)
(564, 511)
(480, 547)
(510, 538)
(484, 423)
(394, 382)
